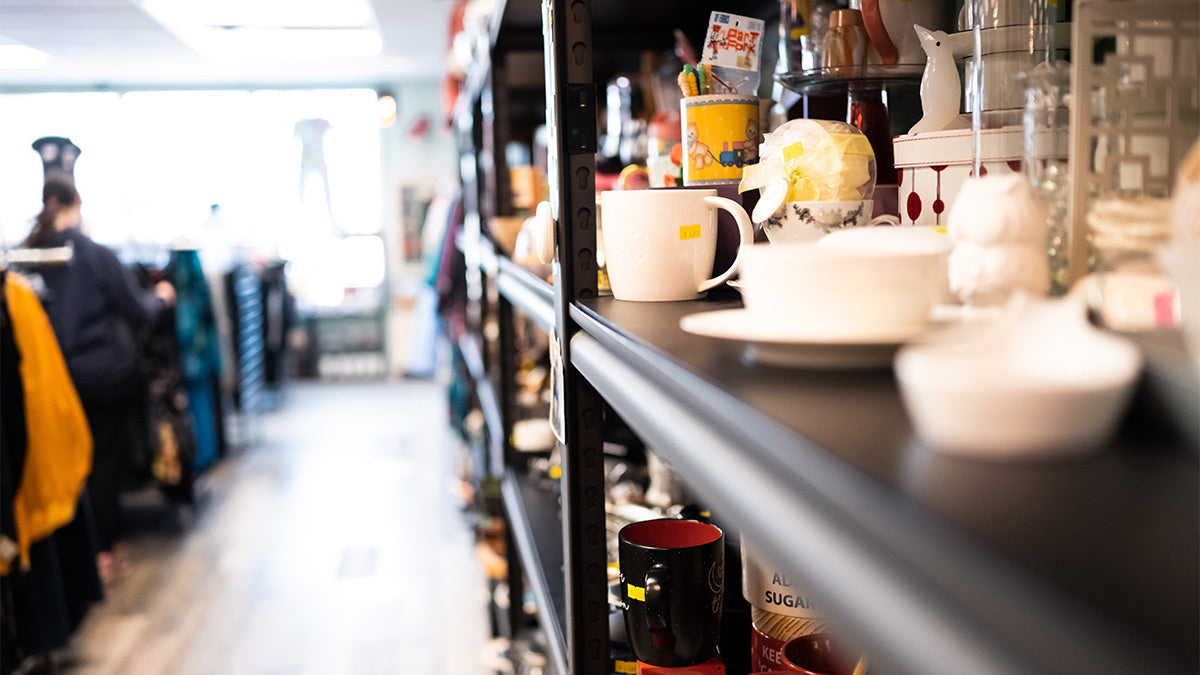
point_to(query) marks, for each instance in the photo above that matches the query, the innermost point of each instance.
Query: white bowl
(839, 293)
(906, 238)
(1038, 383)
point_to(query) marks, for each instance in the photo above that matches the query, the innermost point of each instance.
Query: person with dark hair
(93, 301)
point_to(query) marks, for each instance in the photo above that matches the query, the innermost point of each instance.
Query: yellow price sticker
(793, 151)
(689, 232)
(635, 592)
(625, 667)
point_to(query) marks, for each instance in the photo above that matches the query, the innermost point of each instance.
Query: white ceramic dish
(907, 238)
(890, 238)
(1037, 383)
(789, 343)
(845, 292)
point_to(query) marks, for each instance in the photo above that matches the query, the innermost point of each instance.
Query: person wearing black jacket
(93, 302)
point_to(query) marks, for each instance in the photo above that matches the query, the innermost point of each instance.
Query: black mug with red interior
(673, 588)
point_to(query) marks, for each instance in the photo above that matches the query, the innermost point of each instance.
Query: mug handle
(744, 227)
(873, 22)
(658, 618)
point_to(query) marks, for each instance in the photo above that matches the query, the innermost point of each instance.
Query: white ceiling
(115, 44)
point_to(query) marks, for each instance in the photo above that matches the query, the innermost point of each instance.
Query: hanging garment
(12, 431)
(174, 439)
(48, 602)
(196, 329)
(277, 321)
(45, 603)
(165, 421)
(58, 454)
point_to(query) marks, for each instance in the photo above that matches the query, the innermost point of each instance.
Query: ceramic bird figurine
(941, 88)
(998, 225)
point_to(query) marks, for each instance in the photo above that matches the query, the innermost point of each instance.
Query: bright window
(152, 163)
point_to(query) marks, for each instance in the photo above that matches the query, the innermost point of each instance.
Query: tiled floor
(333, 545)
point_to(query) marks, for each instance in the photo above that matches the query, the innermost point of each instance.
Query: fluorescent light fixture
(273, 45)
(263, 13)
(14, 56)
(236, 32)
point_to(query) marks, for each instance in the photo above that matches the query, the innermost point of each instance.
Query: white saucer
(794, 344)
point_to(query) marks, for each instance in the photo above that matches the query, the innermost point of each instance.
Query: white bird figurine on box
(941, 88)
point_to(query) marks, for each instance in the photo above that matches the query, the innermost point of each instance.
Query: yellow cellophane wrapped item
(822, 160)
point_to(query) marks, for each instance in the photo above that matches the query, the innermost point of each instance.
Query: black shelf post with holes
(571, 115)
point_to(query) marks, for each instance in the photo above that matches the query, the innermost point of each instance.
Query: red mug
(816, 654)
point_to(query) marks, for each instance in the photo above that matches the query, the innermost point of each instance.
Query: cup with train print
(659, 245)
(720, 136)
(672, 589)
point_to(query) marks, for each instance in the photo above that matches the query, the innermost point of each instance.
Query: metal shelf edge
(485, 391)
(524, 536)
(527, 293)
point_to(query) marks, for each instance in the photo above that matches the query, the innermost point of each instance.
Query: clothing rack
(59, 255)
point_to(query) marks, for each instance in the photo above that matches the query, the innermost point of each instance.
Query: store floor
(333, 544)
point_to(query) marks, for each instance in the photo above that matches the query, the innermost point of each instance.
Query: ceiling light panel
(233, 32)
(263, 13)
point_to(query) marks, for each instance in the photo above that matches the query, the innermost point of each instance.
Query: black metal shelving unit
(502, 100)
(934, 564)
(930, 564)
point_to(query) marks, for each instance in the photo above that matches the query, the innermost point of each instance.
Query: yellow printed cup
(720, 136)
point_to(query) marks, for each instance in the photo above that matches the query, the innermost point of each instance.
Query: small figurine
(998, 224)
(941, 88)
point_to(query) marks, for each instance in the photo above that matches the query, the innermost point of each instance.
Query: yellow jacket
(58, 454)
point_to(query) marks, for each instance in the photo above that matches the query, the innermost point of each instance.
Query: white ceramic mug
(659, 244)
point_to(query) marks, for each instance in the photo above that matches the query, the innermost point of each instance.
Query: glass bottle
(845, 43)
